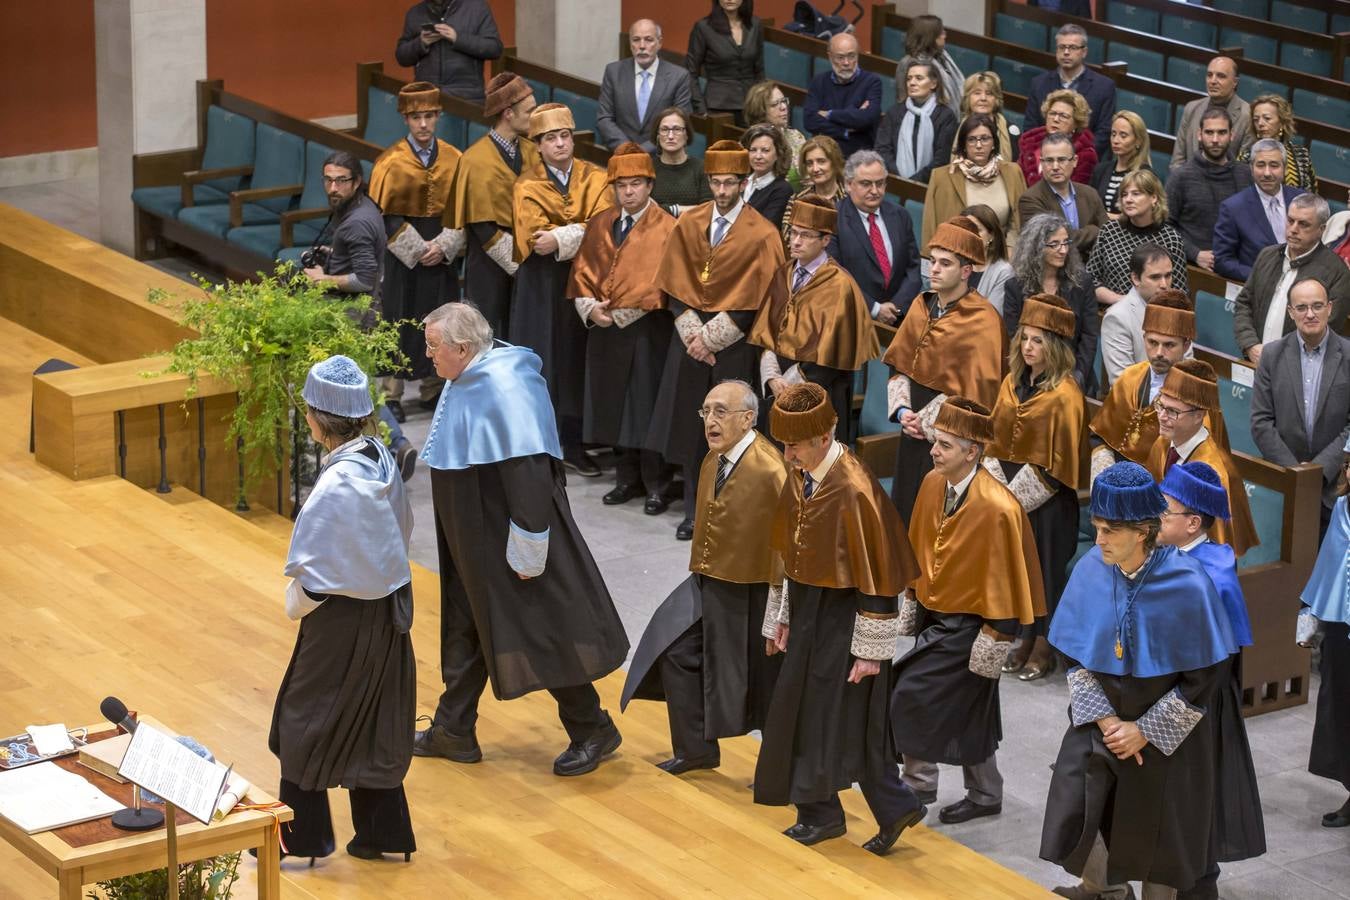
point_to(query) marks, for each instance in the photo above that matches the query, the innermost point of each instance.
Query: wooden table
(75, 866)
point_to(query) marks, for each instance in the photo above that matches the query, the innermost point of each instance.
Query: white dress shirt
(730, 217)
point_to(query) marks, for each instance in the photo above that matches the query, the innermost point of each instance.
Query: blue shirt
(1310, 362)
(1069, 205)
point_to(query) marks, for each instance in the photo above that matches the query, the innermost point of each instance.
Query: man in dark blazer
(1301, 398)
(446, 44)
(886, 268)
(1072, 73)
(634, 91)
(1248, 220)
(1055, 193)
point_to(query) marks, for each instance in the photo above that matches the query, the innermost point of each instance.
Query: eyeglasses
(1304, 308)
(1058, 245)
(433, 349)
(781, 101)
(718, 413)
(980, 139)
(1063, 47)
(1167, 514)
(671, 129)
(341, 179)
(1167, 412)
(1057, 160)
(1058, 114)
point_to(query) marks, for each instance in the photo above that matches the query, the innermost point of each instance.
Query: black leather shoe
(363, 851)
(580, 758)
(621, 495)
(579, 462)
(814, 834)
(436, 741)
(685, 530)
(882, 842)
(396, 410)
(1338, 819)
(965, 810)
(253, 852)
(405, 455)
(655, 505)
(429, 403)
(927, 798)
(678, 765)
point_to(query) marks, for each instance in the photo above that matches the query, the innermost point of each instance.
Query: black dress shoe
(882, 842)
(405, 456)
(583, 757)
(965, 810)
(429, 403)
(253, 852)
(685, 530)
(927, 798)
(364, 851)
(396, 410)
(579, 462)
(436, 741)
(678, 765)
(814, 834)
(1338, 819)
(655, 505)
(621, 495)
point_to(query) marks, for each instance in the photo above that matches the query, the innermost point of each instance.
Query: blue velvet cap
(338, 386)
(1126, 492)
(1195, 485)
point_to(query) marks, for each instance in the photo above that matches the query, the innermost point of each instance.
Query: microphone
(115, 711)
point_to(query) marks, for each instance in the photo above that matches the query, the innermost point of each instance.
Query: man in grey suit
(634, 91)
(1301, 398)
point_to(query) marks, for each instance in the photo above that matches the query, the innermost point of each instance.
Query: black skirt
(1331, 734)
(623, 378)
(1054, 527)
(413, 293)
(345, 710)
(546, 321)
(941, 711)
(1239, 827)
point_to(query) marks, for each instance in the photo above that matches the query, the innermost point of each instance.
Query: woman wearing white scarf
(916, 136)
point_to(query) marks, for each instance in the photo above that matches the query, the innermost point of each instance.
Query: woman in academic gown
(344, 714)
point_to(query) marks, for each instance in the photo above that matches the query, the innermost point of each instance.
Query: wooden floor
(175, 605)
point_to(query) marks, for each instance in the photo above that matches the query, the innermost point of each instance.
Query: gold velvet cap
(1050, 313)
(550, 117)
(814, 214)
(800, 413)
(965, 419)
(630, 161)
(418, 96)
(960, 236)
(726, 158)
(1193, 382)
(504, 90)
(1170, 312)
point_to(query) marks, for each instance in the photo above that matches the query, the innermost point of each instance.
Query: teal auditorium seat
(1201, 34)
(1330, 161)
(450, 128)
(1214, 323)
(1127, 15)
(1321, 108)
(584, 109)
(1096, 51)
(798, 119)
(968, 60)
(1254, 9)
(1022, 32)
(1340, 22)
(1305, 59)
(265, 240)
(698, 144)
(915, 210)
(1144, 63)
(888, 92)
(1015, 121)
(1258, 86)
(543, 92)
(229, 143)
(1236, 402)
(278, 160)
(1296, 15)
(475, 131)
(1016, 76)
(787, 65)
(893, 44)
(820, 65)
(1190, 74)
(1268, 515)
(1258, 47)
(1160, 160)
(383, 123)
(872, 419)
(1155, 111)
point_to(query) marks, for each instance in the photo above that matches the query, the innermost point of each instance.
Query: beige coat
(946, 198)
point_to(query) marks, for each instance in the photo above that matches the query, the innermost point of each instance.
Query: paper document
(161, 765)
(45, 796)
(50, 739)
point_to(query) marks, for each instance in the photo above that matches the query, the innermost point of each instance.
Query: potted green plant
(205, 879)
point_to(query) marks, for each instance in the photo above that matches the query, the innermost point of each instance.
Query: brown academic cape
(1240, 531)
(537, 204)
(731, 527)
(827, 322)
(733, 276)
(960, 354)
(402, 186)
(481, 188)
(1048, 431)
(1126, 421)
(625, 276)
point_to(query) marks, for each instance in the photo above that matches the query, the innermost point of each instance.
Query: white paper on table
(50, 739)
(44, 796)
(162, 766)
(235, 792)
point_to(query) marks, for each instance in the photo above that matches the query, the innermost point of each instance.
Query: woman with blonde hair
(822, 167)
(766, 103)
(1129, 153)
(1143, 220)
(978, 174)
(983, 93)
(1065, 112)
(1273, 117)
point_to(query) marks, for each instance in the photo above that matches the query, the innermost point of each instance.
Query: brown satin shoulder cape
(1240, 531)
(538, 204)
(402, 186)
(624, 276)
(981, 560)
(848, 535)
(1049, 430)
(827, 322)
(961, 354)
(481, 188)
(1131, 430)
(731, 530)
(740, 270)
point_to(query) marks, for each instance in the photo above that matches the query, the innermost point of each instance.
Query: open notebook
(45, 796)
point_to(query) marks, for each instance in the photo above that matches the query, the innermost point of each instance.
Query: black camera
(315, 256)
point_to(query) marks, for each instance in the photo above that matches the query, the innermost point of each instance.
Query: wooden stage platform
(174, 604)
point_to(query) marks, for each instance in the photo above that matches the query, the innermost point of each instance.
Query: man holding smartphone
(446, 41)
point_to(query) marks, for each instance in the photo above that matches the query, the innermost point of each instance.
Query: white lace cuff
(451, 242)
(988, 655)
(1306, 628)
(688, 326)
(1103, 458)
(584, 306)
(720, 333)
(769, 628)
(995, 468)
(1169, 721)
(625, 317)
(1087, 701)
(1030, 488)
(897, 396)
(569, 240)
(768, 370)
(907, 623)
(499, 251)
(527, 551)
(928, 415)
(875, 639)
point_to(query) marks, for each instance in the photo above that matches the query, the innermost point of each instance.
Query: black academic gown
(1329, 756)
(912, 457)
(485, 283)
(623, 378)
(557, 630)
(1239, 827)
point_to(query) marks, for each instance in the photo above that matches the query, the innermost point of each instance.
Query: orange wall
(47, 102)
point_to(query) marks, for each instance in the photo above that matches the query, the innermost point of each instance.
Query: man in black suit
(1072, 73)
(634, 91)
(1301, 398)
(875, 240)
